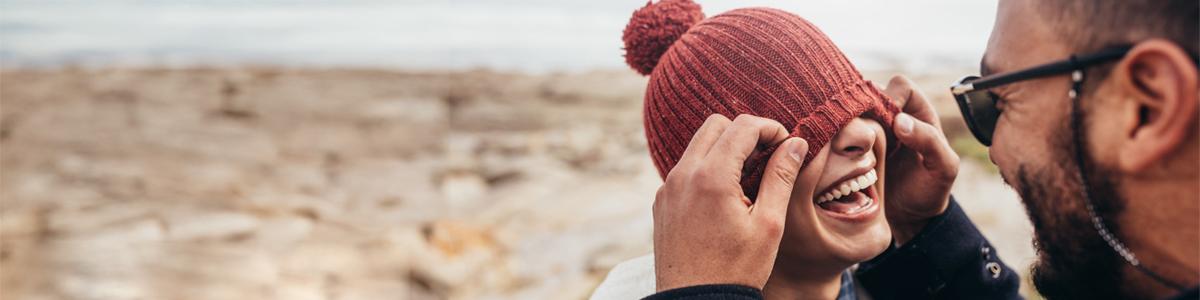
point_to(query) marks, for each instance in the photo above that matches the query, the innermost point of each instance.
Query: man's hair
(1090, 25)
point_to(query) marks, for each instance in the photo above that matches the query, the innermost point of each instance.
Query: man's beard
(1074, 261)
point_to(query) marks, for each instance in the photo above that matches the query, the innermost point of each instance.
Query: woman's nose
(855, 139)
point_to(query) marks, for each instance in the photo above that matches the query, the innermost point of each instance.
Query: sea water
(521, 35)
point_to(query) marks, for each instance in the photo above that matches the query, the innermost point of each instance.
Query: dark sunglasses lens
(981, 105)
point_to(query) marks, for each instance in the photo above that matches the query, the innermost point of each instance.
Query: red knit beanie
(757, 61)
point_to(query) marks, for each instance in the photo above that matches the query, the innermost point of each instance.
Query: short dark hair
(1090, 25)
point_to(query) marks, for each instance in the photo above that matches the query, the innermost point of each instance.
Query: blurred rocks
(247, 183)
(259, 183)
(192, 226)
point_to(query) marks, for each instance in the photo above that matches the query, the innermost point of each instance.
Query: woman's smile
(853, 199)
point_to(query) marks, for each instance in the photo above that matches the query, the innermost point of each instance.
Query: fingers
(705, 138)
(928, 141)
(779, 178)
(810, 174)
(912, 101)
(741, 138)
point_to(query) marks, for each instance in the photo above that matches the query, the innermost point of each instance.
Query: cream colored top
(632, 279)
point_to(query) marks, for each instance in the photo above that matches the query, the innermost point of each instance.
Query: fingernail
(795, 152)
(904, 123)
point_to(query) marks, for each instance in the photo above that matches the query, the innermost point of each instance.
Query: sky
(515, 35)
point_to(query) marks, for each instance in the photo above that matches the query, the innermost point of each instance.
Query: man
(1091, 112)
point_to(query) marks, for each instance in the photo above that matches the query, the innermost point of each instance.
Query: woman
(773, 64)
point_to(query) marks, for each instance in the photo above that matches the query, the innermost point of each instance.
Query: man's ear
(1159, 80)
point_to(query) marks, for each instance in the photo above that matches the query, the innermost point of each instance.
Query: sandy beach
(309, 183)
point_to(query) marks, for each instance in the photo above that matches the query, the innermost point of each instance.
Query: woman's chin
(859, 239)
(866, 244)
(841, 247)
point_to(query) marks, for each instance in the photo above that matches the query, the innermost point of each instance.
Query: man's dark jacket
(949, 259)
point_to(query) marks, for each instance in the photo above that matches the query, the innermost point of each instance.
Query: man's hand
(706, 231)
(920, 173)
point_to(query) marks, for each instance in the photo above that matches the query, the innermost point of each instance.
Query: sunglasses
(978, 104)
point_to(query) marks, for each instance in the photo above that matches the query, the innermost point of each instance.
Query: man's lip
(857, 172)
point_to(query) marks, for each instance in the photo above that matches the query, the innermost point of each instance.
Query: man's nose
(855, 139)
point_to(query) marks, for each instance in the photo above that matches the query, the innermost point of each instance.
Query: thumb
(775, 190)
(911, 100)
(928, 141)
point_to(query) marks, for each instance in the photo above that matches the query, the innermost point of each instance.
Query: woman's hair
(758, 61)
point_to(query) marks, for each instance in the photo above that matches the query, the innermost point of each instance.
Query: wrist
(673, 278)
(904, 229)
(678, 279)
(903, 233)
(709, 291)
(685, 284)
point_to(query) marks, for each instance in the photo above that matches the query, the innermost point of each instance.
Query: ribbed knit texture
(758, 61)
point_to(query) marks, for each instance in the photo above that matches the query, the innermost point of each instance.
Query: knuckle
(951, 174)
(952, 166)
(772, 225)
(741, 120)
(930, 134)
(785, 173)
(717, 119)
(662, 196)
(745, 120)
(758, 123)
(671, 179)
(706, 182)
(924, 129)
(710, 189)
(700, 175)
(952, 158)
(672, 188)
(706, 189)
(682, 169)
(898, 81)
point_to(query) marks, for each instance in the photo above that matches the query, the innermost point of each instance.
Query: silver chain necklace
(1097, 222)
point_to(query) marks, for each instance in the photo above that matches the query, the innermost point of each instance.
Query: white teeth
(849, 186)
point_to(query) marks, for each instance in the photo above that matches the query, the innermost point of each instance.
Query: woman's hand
(706, 231)
(921, 172)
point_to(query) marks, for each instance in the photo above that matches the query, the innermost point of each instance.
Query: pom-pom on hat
(654, 28)
(758, 61)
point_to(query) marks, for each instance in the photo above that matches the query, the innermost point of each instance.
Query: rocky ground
(269, 183)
